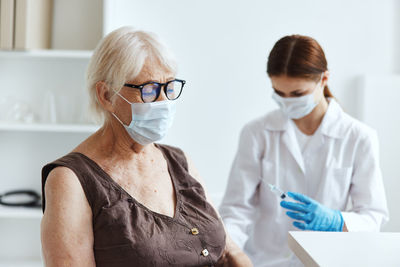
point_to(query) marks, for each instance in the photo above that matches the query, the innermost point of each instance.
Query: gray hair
(119, 57)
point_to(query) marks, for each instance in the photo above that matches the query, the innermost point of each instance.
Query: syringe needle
(277, 191)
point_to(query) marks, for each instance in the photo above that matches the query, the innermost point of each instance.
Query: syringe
(277, 191)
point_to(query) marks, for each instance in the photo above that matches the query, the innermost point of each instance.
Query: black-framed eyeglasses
(150, 91)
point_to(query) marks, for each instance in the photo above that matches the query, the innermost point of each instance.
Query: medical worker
(327, 161)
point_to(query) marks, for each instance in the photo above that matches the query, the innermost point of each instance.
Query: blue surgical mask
(297, 107)
(150, 121)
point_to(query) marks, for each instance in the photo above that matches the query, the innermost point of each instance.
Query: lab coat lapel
(290, 140)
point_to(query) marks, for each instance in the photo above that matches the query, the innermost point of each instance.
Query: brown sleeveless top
(126, 233)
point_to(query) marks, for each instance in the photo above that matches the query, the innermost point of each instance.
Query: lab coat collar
(333, 124)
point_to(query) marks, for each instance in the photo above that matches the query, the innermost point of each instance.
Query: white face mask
(297, 107)
(150, 121)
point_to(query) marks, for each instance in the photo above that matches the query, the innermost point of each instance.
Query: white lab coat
(341, 162)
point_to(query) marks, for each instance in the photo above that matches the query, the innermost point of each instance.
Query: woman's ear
(325, 77)
(104, 96)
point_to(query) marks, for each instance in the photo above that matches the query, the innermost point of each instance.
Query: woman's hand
(233, 256)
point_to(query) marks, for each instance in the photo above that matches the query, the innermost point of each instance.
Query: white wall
(222, 47)
(381, 94)
(396, 33)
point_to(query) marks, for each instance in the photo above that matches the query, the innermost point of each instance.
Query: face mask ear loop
(123, 97)
(118, 119)
(126, 101)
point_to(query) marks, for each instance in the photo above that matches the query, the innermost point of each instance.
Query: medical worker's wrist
(340, 221)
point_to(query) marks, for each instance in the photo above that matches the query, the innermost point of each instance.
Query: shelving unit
(56, 54)
(28, 78)
(20, 213)
(22, 264)
(54, 128)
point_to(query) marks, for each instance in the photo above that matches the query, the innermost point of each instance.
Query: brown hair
(298, 56)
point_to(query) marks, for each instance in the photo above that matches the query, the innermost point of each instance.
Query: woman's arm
(66, 228)
(233, 256)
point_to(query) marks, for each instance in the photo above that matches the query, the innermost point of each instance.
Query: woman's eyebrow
(293, 92)
(297, 91)
(157, 81)
(276, 90)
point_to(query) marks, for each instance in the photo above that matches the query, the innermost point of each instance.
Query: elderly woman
(119, 199)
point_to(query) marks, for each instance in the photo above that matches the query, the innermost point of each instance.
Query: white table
(346, 249)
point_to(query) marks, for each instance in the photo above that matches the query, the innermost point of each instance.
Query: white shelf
(20, 263)
(57, 54)
(57, 128)
(20, 213)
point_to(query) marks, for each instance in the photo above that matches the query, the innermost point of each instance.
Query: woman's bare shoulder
(66, 228)
(63, 190)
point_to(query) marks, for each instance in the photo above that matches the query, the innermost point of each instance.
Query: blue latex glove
(316, 217)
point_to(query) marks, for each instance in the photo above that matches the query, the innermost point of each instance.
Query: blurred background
(221, 48)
